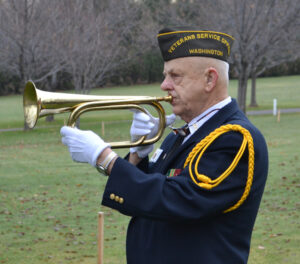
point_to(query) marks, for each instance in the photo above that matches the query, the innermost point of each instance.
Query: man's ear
(211, 78)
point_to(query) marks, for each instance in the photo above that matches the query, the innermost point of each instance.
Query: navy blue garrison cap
(186, 42)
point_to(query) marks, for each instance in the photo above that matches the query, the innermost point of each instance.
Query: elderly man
(196, 200)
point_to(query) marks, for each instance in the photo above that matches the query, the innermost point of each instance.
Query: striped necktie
(182, 131)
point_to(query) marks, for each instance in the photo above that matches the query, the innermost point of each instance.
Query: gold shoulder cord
(208, 183)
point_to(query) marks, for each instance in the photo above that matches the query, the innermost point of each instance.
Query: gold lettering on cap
(224, 41)
(202, 35)
(208, 36)
(180, 41)
(206, 51)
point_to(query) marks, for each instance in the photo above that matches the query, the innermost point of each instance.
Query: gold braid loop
(208, 183)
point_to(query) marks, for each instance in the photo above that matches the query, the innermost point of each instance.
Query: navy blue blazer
(176, 221)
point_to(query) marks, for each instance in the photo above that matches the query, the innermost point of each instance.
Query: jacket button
(112, 196)
(121, 200)
(117, 198)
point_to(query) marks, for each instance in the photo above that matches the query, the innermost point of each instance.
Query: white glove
(145, 124)
(84, 146)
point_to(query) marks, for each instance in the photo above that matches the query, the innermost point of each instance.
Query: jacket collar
(216, 121)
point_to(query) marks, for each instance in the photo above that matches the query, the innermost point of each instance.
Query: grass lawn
(49, 204)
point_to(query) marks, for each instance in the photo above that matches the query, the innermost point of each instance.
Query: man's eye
(175, 75)
(176, 78)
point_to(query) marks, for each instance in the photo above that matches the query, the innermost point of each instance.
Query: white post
(274, 107)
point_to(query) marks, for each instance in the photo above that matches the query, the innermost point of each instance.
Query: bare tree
(27, 44)
(279, 44)
(265, 32)
(96, 41)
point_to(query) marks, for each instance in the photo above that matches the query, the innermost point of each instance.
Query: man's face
(185, 82)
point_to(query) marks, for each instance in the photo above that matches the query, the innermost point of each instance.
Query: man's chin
(176, 111)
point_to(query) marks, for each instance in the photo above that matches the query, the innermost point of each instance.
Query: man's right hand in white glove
(145, 125)
(84, 146)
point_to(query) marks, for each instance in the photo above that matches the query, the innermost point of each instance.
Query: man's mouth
(174, 99)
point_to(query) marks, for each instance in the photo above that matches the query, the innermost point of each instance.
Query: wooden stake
(100, 237)
(278, 115)
(103, 128)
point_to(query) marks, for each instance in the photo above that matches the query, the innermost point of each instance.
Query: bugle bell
(38, 103)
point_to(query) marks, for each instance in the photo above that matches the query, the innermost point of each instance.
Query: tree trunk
(21, 69)
(26, 126)
(253, 102)
(50, 118)
(242, 91)
(53, 82)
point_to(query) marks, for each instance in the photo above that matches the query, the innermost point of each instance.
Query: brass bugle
(38, 103)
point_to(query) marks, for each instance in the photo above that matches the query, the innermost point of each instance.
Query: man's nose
(166, 85)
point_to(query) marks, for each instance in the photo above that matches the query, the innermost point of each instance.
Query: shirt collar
(199, 120)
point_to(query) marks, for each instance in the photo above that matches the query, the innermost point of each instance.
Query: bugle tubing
(37, 104)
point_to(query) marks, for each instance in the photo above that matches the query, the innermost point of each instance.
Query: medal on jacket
(173, 172)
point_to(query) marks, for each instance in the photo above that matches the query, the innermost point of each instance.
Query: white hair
(224, 68)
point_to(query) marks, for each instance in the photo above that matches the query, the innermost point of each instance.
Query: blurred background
(81, 45)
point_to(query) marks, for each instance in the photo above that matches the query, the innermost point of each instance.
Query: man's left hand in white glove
(84, 146)
(145, 125)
